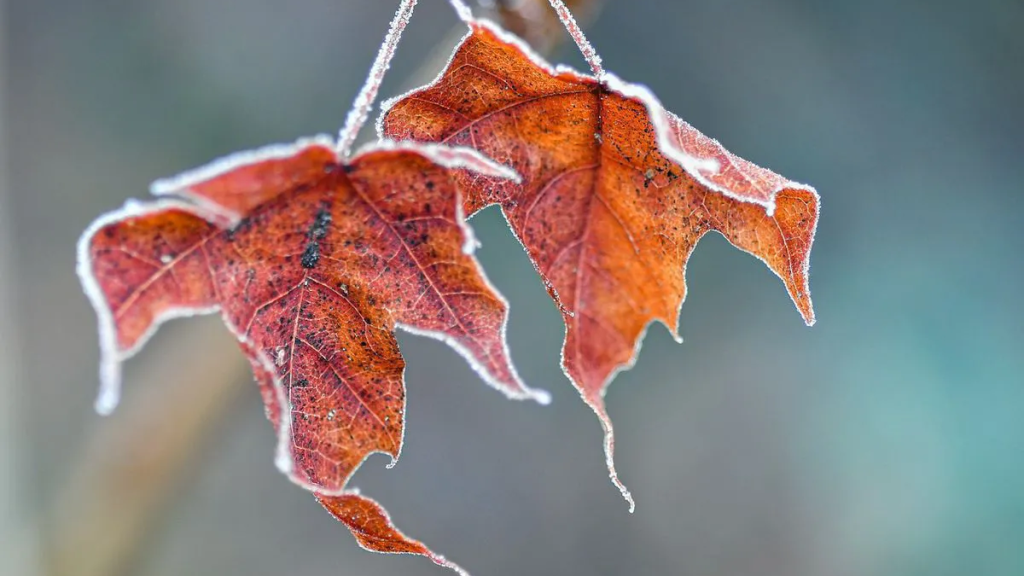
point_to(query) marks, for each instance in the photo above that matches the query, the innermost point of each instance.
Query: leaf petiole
(591, 55)
(368, 93)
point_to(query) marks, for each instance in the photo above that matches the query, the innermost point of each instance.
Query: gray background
(886, 440)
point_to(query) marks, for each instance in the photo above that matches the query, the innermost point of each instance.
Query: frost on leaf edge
(181, 184)
(112, 357)
(662, 121)
(434, 557)
(661, 118)
(461, 157)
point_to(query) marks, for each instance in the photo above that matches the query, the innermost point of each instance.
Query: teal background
(887, 440)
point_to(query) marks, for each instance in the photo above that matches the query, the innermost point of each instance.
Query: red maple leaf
(615, 193)
(312, 262)
(369, 523)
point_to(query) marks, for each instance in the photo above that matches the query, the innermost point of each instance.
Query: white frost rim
(455, 157)
(436, 558)
(542, 397)
(660, 118)
(462, 157)
(110, 356)
(181, 184)
(504, 36)
(284, 459)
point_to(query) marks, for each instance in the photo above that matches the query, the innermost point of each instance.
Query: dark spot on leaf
(311, 256)
(320, 224)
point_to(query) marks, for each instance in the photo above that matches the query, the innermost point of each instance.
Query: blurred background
(886, 440)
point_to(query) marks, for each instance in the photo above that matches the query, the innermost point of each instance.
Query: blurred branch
(17, 540)
(128, 469)
(536, 22)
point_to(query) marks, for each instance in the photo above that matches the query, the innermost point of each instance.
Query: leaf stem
(576, 32)
(364, 100)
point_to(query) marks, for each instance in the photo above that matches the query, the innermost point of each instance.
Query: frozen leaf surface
(312, 262)
(367, 520)
(615, 193)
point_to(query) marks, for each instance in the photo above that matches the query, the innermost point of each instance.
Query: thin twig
(128, 472)
(464, 12)
(576, 32)
(364, 100)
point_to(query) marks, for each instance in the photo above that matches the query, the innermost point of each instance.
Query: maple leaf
(614, 195)
(313, 262)
(367, 520)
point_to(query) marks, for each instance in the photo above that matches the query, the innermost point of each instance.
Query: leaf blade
(312, 274)
(615, 194)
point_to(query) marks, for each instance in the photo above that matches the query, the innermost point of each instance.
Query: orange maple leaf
(615, 193)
